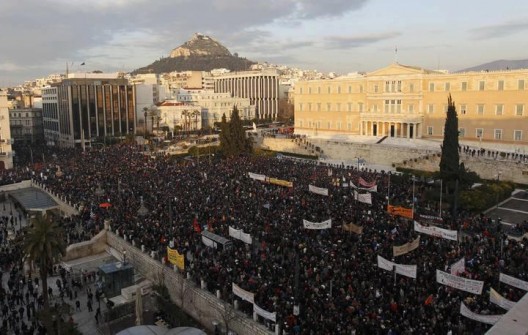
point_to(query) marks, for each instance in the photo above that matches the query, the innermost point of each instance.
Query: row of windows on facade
(21, 122)
(479, 132)
(395, 86)
(26, 114)
(395, 106)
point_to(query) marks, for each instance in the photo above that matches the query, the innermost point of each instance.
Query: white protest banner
(255, 176)
(489, 319)
(407, 247)
(208, 242)
(352, 185)
(468, 285)
(458, 267)
(318, 190)
(517, 238)
(246, 238)
(234, 232)
(499, 300)
(385, 264)
(245, 295)
(364, 198)
(401, 269)
(352, 228)
(240, 235)
(265, 314)
(513, 281)
(436, 231)
(317, 225)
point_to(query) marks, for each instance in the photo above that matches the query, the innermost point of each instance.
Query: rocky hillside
(200, 53)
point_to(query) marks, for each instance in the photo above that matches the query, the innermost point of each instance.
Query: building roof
(113, 267)
(33, 199)
(157, 330)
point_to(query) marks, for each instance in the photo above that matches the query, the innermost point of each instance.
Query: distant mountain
(497, 65)
(200, 53)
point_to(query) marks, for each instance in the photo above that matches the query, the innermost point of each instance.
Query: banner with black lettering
(255, 176)
(464, 284)
(404, 270)
(500, 301)
(489, 319)
(458, 267)
(239, 234)
(265, 314)
(352, 228)
(318, 190)
(436, 231)
(406, 248)
(317, 225)
(365, 198)
(513, 281)
(174, 257)
(429, 219)
(243, 294)
(400, 211)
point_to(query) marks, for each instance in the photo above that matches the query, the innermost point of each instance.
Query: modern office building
(87, 106)
(260, 87)
(411, 102)
(6, 152)
(26, 125)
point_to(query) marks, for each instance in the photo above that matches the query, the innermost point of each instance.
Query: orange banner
(400, 211)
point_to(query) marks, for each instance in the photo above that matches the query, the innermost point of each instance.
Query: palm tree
(43, 245)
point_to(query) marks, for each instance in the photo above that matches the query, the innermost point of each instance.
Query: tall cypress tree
(450, 161)
(233, 140)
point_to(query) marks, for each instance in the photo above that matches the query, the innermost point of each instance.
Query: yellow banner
(175, 258)
(280, 182)
(353, 228)
(400, 211)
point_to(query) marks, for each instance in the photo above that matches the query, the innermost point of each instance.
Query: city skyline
(41, 37)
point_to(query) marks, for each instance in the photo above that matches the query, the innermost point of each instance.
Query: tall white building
(260, 87)
(6, 152)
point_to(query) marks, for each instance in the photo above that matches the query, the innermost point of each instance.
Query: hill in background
(497, 65)
(200, 53)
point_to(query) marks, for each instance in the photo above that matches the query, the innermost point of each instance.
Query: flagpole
(440, 210)
(413, 198)
(388, 191)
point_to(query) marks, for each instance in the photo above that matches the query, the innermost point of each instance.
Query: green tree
(449, 162)
(233, 140)
(43, 245)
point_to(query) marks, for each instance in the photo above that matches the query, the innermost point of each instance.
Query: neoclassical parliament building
(410, 102)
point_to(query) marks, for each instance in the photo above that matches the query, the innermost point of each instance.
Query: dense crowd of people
(330, 274)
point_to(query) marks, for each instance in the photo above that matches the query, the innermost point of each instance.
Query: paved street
(513, 211)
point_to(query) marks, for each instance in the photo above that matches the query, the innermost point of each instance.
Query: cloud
(309, 9)
(45, 31)
(347, 42)
(499, 30)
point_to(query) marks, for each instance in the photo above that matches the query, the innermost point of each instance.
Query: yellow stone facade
(410, 102)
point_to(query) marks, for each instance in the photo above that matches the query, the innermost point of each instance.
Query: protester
(330, 274)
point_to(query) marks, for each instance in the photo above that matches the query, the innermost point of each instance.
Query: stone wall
(286, 145)
(15, 186)
(65, 208)
(486, 168)
(426, 159)
(373, 153)
(200, 304)
(94, 246)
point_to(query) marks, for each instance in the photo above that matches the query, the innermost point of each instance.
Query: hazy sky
(38, 37)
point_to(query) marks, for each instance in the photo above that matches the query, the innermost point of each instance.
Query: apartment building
(6, 152)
